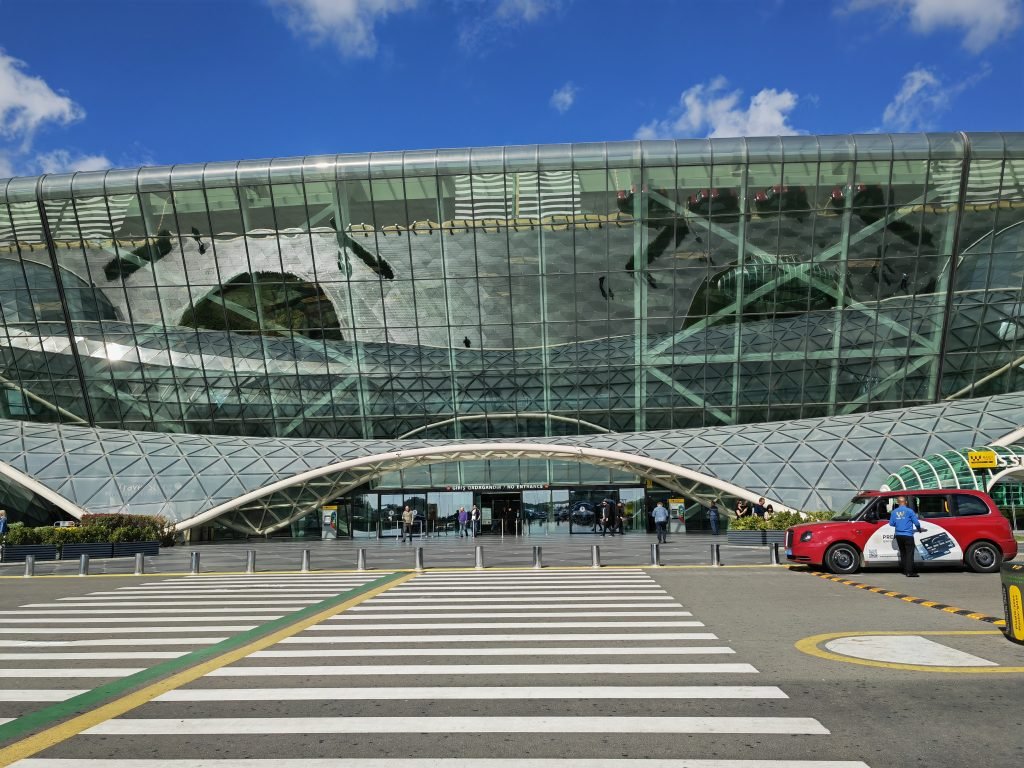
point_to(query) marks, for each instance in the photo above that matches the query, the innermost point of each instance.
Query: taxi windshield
(852, 510)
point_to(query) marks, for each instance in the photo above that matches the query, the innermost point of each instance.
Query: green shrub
(144, 527)
(747, 523)
(123, 534)
(18, 534)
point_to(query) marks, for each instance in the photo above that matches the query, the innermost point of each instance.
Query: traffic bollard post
(537, 558)
(193, 562)
(419, 558)
(655, 554)
(479, 558)
(30, 565)
(83, 565)
(250, 561)
(305, 561)
(140, 563)
(360, 559)
(595, 556)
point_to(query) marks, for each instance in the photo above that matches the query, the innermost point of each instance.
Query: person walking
(608, 516)
(3, 522)
(408, 518)
(713, 517)
(661, 522)
(463, 522)
(905, 521)
(474, 520)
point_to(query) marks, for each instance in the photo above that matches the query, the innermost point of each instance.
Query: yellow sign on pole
(982, 459)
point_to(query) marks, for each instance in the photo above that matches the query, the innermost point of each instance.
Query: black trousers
(906, 547)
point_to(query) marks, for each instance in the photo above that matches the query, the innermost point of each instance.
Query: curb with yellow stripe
(996, 621)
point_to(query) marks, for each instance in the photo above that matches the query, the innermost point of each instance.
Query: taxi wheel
(983, 557)
(842, 558)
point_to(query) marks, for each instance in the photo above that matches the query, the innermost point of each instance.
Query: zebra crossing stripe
(521, 615)
(484, 693)
(524, 638)
(100, 703)
(120, 642)
(389, 600)
(360, 627)
(91, 656)
(446, 762)
(126, 630)
(460, 607)
(514, 650)
(129, 619)
(477, 724)
(68, 672)
(117, 605)
(121, 608)
(39, 694)
(483, 669)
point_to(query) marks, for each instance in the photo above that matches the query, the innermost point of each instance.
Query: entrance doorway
(499, 512)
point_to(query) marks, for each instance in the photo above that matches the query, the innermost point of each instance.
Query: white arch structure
(367, 467)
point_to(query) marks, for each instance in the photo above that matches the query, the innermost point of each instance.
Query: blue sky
(87, 85)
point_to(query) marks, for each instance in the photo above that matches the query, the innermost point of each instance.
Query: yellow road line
(810, 646)
(64, 731)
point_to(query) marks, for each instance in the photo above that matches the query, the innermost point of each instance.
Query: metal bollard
(479, 558)
(773, 553)
(655, 554)
(250, 561)
(193, 562)
(305, 561)
(595, 556)
(30, 565)
(716, 555)
(83, 565)
(538, 561)
(140, 563)
(360, 559)
(419, 558)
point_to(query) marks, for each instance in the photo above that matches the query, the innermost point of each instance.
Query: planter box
(131, 548)
(72, 551)
(756, 538)
(12, 553)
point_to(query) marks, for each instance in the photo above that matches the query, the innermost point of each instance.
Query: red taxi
(960, 526)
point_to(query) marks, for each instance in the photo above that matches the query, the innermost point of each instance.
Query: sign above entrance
(982, 459)
(500, 487)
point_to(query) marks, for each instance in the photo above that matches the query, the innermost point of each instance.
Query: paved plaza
(745, 664)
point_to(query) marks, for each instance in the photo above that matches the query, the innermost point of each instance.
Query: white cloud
(563, 99)
(484, 29)
(63, 161)
(712, 110)
(26, 102)
(982, 21)
(922, 98)
(524, 10)
(348, 24)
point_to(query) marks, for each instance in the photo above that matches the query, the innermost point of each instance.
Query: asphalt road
(422, 639)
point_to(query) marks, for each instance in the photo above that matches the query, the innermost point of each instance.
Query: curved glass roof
(950, 469)
(808, 464)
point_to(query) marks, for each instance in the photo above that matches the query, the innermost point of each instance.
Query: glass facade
(517, 291)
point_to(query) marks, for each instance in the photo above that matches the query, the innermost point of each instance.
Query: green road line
(97, 696)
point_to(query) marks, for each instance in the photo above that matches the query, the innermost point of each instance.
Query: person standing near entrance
(608, 516)
(713, 517)
(474, 520)
(408, 517)
(3, 522)
(661, 522)
(905, 521)
(463, 522)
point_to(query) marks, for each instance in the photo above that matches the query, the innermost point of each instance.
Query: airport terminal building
(239, 344)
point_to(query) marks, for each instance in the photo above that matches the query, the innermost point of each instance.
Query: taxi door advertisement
(934, 545)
